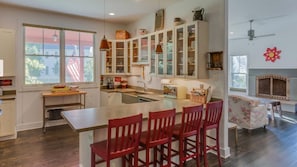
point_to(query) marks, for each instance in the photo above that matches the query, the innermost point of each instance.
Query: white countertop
(93, 118)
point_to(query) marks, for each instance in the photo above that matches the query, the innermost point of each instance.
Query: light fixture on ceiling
(104, 44)
(159, 49)
(55, 37)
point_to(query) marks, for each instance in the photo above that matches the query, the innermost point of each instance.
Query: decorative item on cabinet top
(122, 34)
(215, 60)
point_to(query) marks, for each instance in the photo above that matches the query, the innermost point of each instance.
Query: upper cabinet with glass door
(153, 56)
(168, 53)
(191, 50)
(162, 64)
(116, 60)
(160, 56)
(179, 50)
(120, 57)
(134, 53)
(140, 50)
(107, 60)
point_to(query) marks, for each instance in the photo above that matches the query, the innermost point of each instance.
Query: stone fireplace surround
(289, 74)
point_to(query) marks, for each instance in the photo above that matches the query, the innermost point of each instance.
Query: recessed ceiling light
(231, 33)
(111, 14)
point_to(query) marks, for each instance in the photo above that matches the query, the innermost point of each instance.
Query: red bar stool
(212, 121)
(189, 127)
(126, 135)
(159, 133)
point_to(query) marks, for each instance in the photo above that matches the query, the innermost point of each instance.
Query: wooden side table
(81, 103)
(276, 107)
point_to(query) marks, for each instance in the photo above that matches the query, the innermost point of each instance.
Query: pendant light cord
(104, 16)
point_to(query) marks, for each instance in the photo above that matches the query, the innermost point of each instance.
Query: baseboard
(225, 152)
(37, 125)
(14, 136)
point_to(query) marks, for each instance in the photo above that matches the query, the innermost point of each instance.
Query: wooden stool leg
(280, 109)
(273, 109)
(236, 136)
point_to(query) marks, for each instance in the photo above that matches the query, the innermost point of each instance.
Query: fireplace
(272, 86)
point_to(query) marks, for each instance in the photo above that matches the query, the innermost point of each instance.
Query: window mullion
(62, 57)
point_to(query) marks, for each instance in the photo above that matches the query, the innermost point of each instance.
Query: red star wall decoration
(272, 54)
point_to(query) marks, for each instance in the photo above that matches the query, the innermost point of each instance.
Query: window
(239, 72)
(58, 56)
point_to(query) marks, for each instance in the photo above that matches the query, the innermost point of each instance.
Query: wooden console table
(273, 105)
(46, 95)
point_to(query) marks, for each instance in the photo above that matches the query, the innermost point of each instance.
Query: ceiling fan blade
(264, 35)
(238, 38)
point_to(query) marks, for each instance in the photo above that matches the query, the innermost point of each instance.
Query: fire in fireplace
(272, 86)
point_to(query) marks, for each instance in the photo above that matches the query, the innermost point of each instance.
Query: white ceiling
(269, 16)
(126, 11)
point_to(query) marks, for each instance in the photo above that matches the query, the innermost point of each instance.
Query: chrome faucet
(144, 85)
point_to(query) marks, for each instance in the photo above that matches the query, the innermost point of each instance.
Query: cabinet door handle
(1, 112)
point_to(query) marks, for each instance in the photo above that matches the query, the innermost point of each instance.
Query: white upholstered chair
(247, 112)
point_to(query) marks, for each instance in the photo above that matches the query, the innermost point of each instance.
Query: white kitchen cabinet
(160, 56)
(134, 49)
(7, 118)
(153, 55)
(7, 51)
(140, 50)
(110, 98)
(191, 48)
(162, 64)
(116, 60)
(168, 53)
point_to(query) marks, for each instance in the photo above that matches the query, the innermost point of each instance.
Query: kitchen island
(91, 123)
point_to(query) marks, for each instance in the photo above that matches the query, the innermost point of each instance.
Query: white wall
(284, 40)
(29, 100)
(256, 48)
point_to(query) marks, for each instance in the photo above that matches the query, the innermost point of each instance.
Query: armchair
(247, 112)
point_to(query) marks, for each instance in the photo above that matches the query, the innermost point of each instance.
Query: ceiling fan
(251, 34)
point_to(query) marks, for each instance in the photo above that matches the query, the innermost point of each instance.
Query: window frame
(62, 59)
(231, 73)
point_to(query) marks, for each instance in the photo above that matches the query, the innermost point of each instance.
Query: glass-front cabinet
(116, 59)
(162, 64)
(143, 57)
(120, 57)
(191, 50)
(179, 51)
(134, 50)
(140, 50)
(160, 60)
(168, 53)
(153, 55)
(129, 57)
(107, 60)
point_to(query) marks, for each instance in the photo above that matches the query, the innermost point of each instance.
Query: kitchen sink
(140, 92)
(135, 97)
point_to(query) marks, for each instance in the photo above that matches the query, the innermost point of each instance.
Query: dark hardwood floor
(274, 147)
